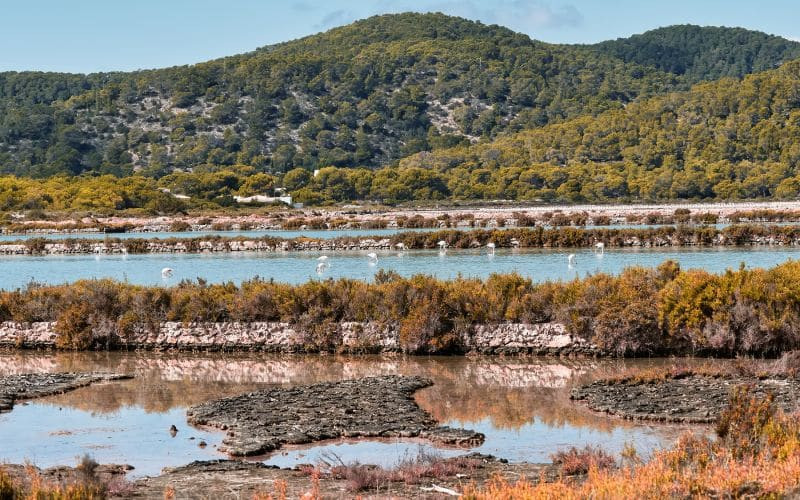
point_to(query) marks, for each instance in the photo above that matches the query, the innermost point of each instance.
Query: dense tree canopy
(412, 107)
(703, 53)
(365, 95)
(728, 139)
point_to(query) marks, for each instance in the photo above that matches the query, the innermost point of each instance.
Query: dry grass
(581, 461)
(756, 455)
(34, 487)
(681, 368)
(409, 470)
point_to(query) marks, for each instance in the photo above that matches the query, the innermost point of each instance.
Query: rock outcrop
(690, 399)
(263, 421)
(37, 385)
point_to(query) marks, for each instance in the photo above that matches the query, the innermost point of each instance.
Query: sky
(84, 36)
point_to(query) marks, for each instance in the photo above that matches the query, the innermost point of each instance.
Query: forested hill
(703, 53)
(366, 94)
(728, 139)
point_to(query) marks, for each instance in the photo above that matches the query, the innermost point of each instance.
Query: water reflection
(521, 404)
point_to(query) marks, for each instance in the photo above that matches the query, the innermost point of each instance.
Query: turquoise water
(297, 267)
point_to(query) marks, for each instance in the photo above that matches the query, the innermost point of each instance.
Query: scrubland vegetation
(80, 483)
(640, 312)
(756, 455)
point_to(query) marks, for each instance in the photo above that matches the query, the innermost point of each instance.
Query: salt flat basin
(521, 405)
(298, 267)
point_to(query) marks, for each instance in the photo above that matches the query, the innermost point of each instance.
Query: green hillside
(427, 107)
(727, 139)
(703, 53)
(364, 94)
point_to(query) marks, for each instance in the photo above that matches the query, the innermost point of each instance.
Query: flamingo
(600, 246)
(571, 260)
(166, 272)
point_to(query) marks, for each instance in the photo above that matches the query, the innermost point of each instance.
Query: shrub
(575, 461)
(179, 226)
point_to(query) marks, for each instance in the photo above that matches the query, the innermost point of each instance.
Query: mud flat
(240, 479)
(690, 399)
(263, 421)
(37, 385)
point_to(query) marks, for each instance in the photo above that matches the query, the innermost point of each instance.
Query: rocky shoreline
(573, 237)
(367, 217)
(544, 339)
(695, 399)
(244, 479)
(37, 385)
(260, 422)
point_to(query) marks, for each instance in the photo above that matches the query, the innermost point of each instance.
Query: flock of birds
(323, 264)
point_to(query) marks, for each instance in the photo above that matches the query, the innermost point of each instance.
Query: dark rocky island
(263, 421)
(37, 385)
(683, 399)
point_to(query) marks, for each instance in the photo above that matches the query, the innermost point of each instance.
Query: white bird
(490, 246)
(400, 246)
(442, 244)
(600, 246)
(166, 272)
(321, 267)
(514, 242)
(571, 260)
(322, 258)
(373, 258)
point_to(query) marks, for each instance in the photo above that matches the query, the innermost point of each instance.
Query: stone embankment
(690, 399)
(523, 238)
(378, 407)
(508, 338)
(216, 245)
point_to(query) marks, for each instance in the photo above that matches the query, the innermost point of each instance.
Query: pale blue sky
(104, 35)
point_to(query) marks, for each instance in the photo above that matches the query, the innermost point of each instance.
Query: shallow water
(298, 267)
(521, 405)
